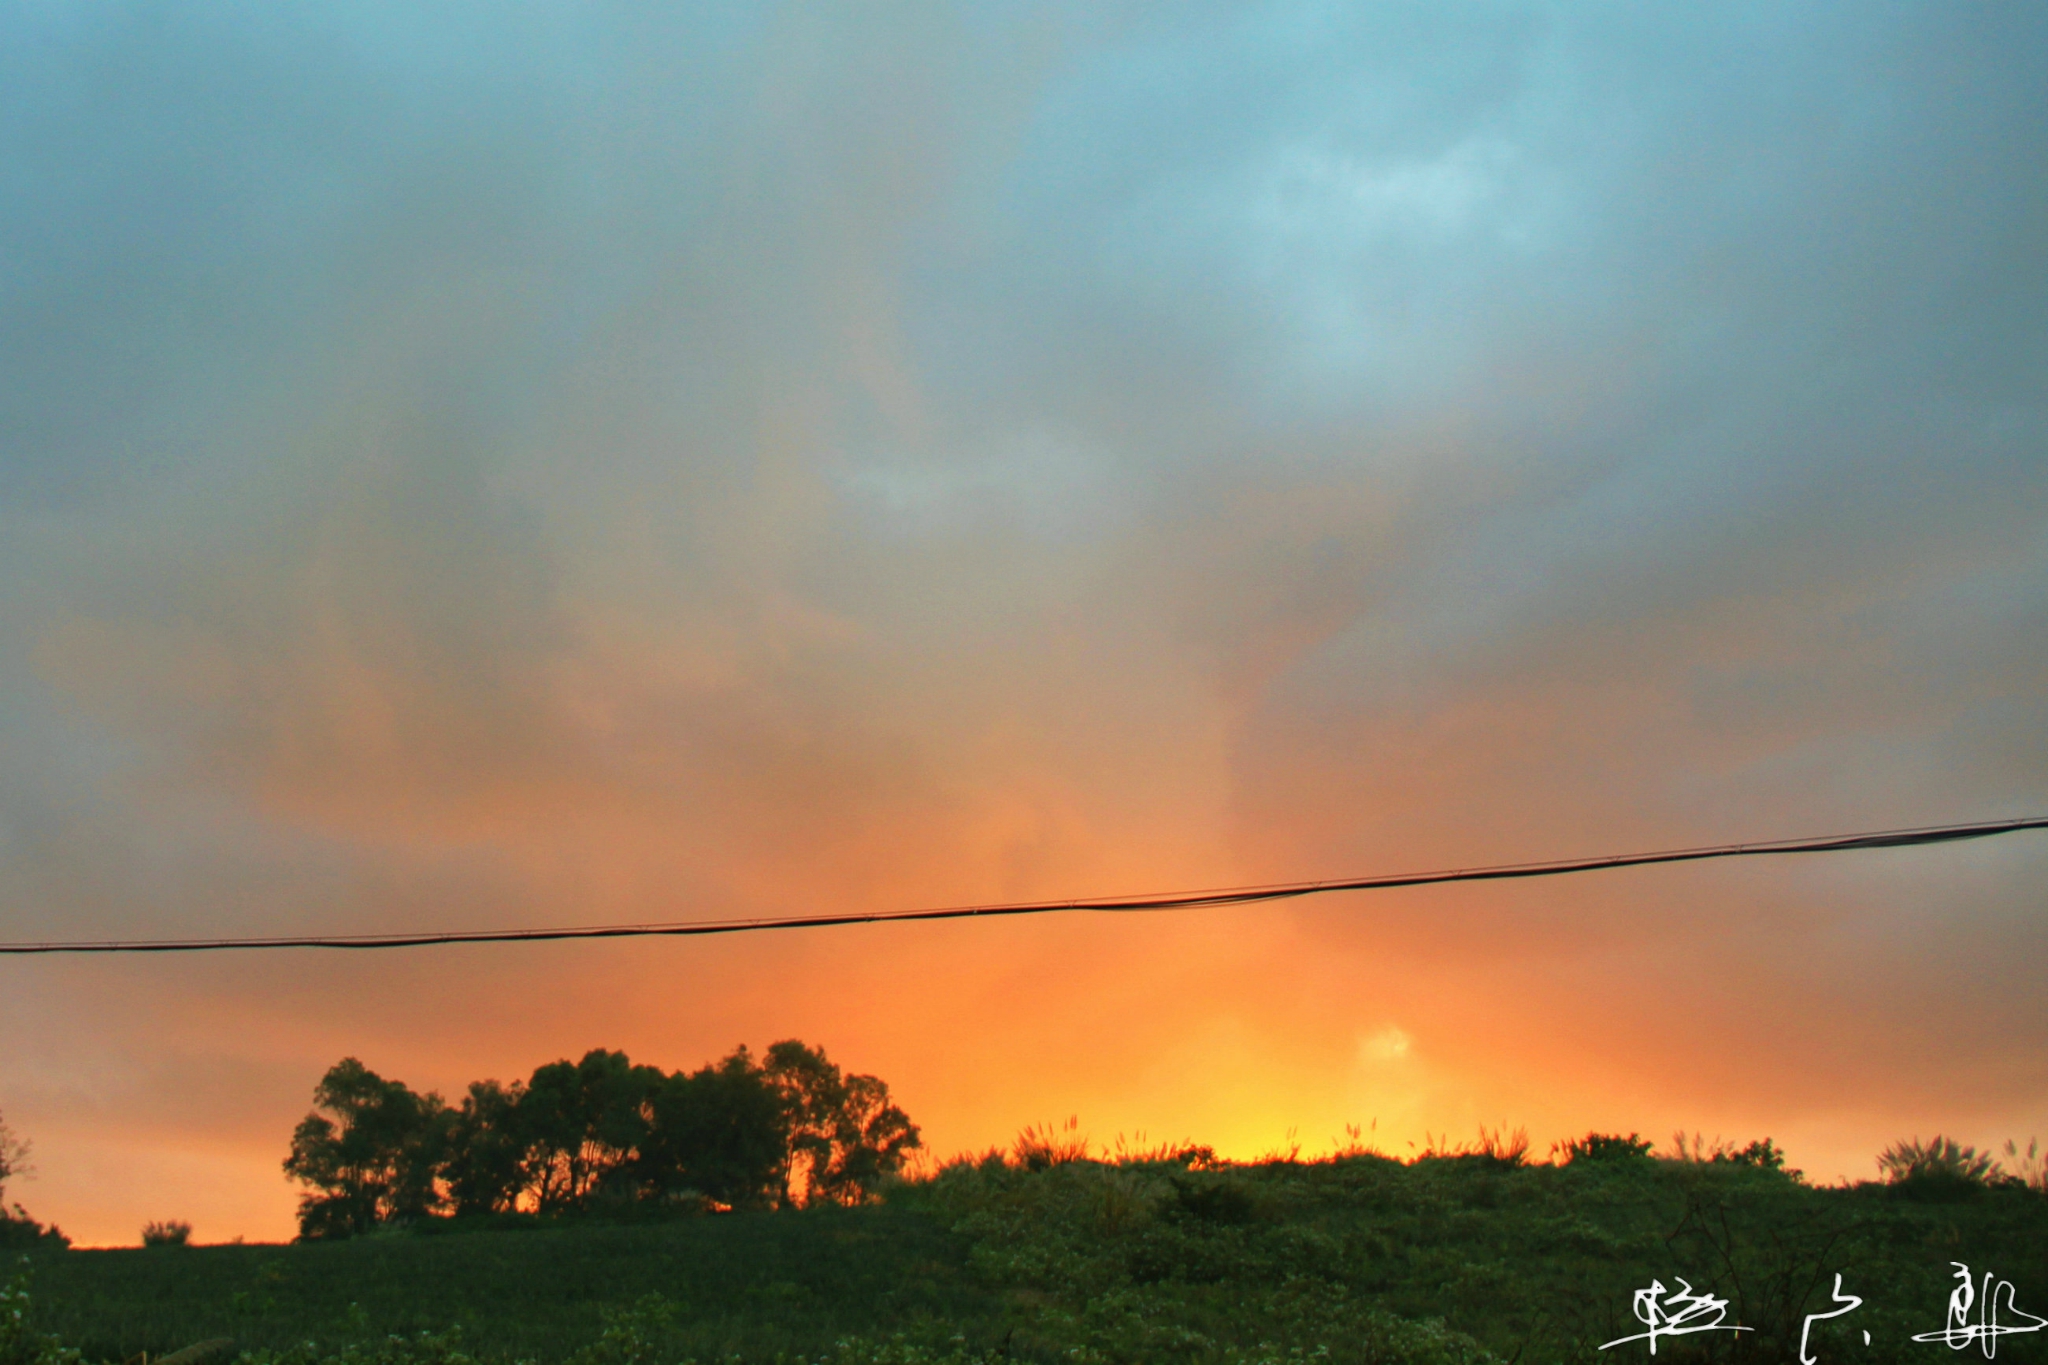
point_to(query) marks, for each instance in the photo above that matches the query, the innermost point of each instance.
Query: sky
(469, 467)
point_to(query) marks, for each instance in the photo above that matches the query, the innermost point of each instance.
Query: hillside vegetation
(1454, 1258)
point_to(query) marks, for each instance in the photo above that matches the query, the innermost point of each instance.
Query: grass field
(759, 1283)
(1346, 1260)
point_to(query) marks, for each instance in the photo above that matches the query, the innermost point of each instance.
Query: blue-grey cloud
(580, 463)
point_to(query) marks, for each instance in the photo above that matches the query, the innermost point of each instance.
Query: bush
(1602, 1147)
(174, 1233)
(1763, 1154)
(19, 1232)
(1043, 1146)
(20, 1343)
(1939, 1170)
(427, 1348)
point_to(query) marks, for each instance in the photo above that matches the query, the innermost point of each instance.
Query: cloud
(629, 465)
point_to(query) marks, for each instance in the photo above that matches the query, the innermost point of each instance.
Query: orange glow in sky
(634, 466)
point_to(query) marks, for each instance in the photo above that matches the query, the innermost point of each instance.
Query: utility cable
(1186, 900)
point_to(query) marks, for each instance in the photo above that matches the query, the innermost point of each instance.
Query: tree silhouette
(718, 1136)
(485, 1165)
(17, 1229)
(579, 1136)
(373, 1155)
(585, 1122)
(844, 1133)
(13, 1156)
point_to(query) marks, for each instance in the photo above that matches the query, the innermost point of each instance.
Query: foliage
(791, 1282)
(18, 1231)
(484, 1166)
(2028, 1169)
(1291, 1260)
(1938, 1170)
(168, 1234)
(600, 1134)
(423, 1348)
(1042, 1145)
(13, 1155)
(718, 1136)
(844, 1134)
(1761, 1153)
(582, 1123)
(642, 1334)
(1495, 1147)
(1165, 1260)
(373, 1155)
(1503, 1148)
(1454, 1258)
(20, 1343)
(1602, 1147)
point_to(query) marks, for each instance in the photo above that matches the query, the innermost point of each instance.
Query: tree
(719, 1136)
(584, 1122)
(790, 1129)
(372, 1156)
(17, 1229)
(872, 1138)
(844, 1133)
(485, 1164)
(13, 1156)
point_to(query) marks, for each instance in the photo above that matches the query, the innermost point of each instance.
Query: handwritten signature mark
(1682, 1312)
(1986, 1331)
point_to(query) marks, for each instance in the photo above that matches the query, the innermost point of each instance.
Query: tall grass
(1356, 1142)
(1043, 1145)
(1942, 1159)
(1496, 1146)
(1136, 1151)
(2030, 1167)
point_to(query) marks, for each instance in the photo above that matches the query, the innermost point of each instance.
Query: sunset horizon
(601, 465)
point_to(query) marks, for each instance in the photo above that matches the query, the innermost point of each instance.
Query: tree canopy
(599, 1133)
(372, 1148)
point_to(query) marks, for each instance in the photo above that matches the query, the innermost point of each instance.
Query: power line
(1185, 900)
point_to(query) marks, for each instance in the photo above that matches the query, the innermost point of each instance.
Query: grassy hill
(758, 1283)
(1454, 1260)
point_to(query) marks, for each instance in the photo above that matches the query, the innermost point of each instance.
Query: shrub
(174, 1233)
(1939, 1169)
(1211, 1199)
(641, 1334)
(1502, 1148)
(1601, 1147)
(427, 1348)
(1042, 1145)
(19, 1232)
(20, 1343)
(1495, 1147)
(1763, 1153)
